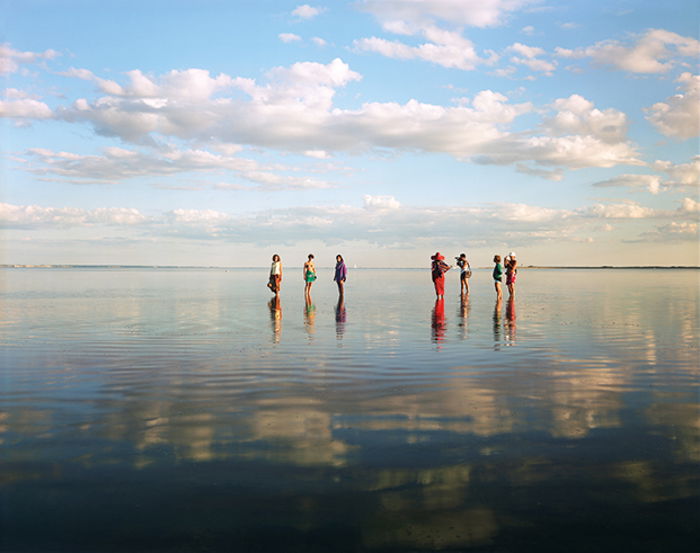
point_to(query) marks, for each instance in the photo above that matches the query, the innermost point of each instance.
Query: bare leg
(497, 285)
(341, 288)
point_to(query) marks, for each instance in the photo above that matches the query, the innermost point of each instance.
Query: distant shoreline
(212, 267)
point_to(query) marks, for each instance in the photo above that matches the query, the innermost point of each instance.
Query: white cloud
(118, 164)
(528, 56)
(10, 59)
(526, 51)
(318, 154)
(650, 182)
(574, 152)
(577, 115)
(657, 51)
(682, 174)
(106, 86)
(689, 205)
(445, 48)
(306, 12)
(679, 176)
(381, 202)
(14, 94)
(625, 210)
(679, 115)
(294, 111)
(553, 175)
(288, 37)
(380, 219)
(318, 41)
(25, 109)
(674, 232)
(18, 216)
(477, 13)
(528, 30)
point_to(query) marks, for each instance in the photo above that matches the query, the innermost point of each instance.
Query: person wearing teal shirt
(498, 275)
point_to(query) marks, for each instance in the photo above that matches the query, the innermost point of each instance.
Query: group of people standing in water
(507, 268)
(308, 274)
(439, 267)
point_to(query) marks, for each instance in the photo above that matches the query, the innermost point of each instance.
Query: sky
(217, 133)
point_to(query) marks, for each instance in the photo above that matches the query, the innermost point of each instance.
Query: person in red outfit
(438, 269)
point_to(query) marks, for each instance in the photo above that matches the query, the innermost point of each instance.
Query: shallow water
(181, 410)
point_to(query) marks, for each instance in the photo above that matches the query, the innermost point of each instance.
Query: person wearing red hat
(438, 270)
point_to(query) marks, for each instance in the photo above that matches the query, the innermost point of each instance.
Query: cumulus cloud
(681, 174)
(529, 56)
(656, 51)
(381, 202)
(289, 37)
(25, 108)
(293, 110)
(577, 115)
(477, 13)
(11, 59)
(689, 205)
(445, 48)
(623, 210)
(306, 12)
(679, 116)
(105, 85)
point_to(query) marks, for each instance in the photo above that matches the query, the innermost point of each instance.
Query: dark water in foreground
(176, 410)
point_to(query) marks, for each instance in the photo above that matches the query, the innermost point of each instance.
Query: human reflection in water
(497, 331)
(340, 317)
(309, 315)
(510, 321)
(438, 321)
(275, 305)
(464, 309)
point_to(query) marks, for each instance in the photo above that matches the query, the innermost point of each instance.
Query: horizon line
(137, 266)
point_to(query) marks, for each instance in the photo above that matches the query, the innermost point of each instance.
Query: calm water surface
(181, 410)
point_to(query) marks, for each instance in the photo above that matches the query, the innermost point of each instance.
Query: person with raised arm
(464, 274)
(438, 270)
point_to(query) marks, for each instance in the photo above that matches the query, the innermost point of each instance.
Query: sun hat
(512, 254)
(438, 256)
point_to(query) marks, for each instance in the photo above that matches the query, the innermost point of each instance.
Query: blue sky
(218, 133)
